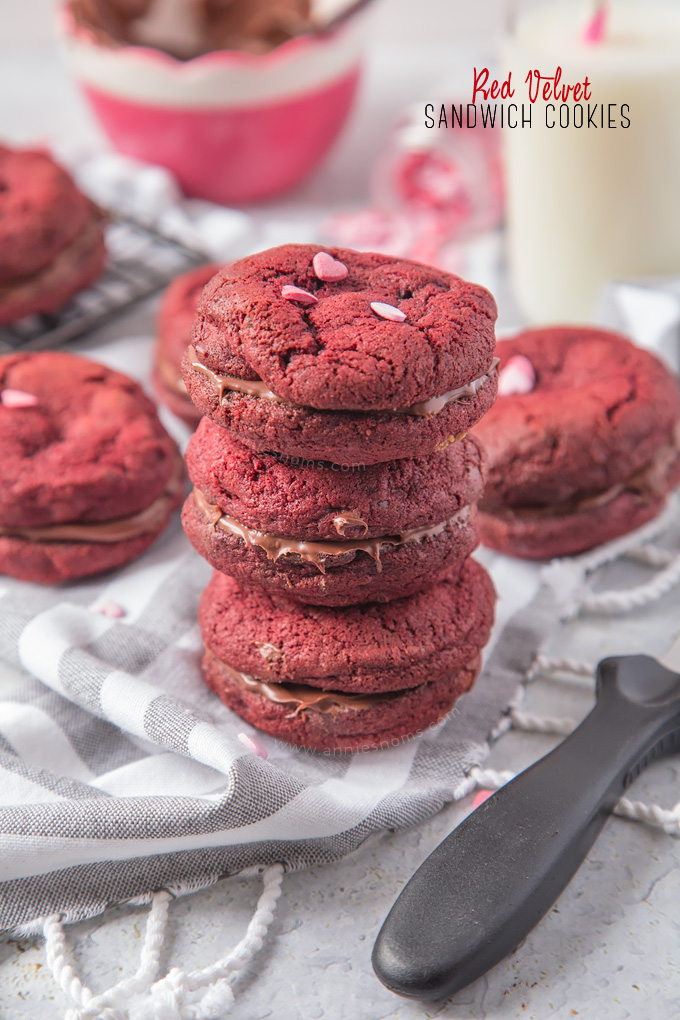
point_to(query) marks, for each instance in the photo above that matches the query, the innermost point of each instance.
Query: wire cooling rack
(140, 262)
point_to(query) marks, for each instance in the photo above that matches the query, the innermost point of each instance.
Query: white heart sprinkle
(386, 311)
(327, 268)
(253, 745)
(106, 607)
(517, 376)
(17, 398)
(298, 294)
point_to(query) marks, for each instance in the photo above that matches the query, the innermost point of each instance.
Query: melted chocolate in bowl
(189, 28)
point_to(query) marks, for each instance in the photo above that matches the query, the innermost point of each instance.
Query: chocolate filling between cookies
(257, 388)
(276, 546)
(649, 482)
(120, 529)
(303, 696)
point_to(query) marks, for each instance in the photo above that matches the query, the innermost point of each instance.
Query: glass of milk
(591, 198)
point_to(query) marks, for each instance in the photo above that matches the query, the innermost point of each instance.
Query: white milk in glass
(588, 205)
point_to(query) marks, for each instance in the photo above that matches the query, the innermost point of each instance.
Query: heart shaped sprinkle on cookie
(328, 269)
(298, 294)
(106, 607)
(252, 745)
(386, 311)
(517, 376)
(17, 398)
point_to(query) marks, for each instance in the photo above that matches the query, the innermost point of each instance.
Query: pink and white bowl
(232, 127)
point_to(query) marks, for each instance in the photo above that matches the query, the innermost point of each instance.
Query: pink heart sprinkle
(594, 31)
(517, 376)
(106, 607)
(252, 745)
(298, 294)
(388, 311)
(329, 269)
(17, 398)
(480, 797)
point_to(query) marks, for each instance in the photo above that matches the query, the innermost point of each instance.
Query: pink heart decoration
(327, 268)
(517, 376)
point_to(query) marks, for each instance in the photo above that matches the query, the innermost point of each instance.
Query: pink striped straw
(595, 30)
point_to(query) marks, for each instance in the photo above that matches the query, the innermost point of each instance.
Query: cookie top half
(178, 309)
(41, 212)
(335, 329)
(595, 410)
(313, 500)
(375, 646)
(79, 442)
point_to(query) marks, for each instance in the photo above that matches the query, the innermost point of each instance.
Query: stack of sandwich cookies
(89, 476)
(583, 444)
(51, 235)
(373, 550)
(175, 319)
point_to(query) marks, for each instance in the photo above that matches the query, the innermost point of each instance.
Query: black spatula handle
(486, 886)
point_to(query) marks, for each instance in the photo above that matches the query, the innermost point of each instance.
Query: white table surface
(610, 947)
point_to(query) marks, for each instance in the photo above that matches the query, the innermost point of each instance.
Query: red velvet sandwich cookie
(342, 356)
(88, 475)
(326, 535)
(345, 679)
(175, 318)
(583, 443)
(51, 235)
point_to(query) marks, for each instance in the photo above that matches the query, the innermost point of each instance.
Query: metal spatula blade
(494, 877)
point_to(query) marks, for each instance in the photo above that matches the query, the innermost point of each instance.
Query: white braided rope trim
(546, 666)
(615, 602)
(205, 994)
(568, 576)
(611, 551)
(651, 555)
(530, 722)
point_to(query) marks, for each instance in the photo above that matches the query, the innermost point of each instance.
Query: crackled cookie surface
(323, 534)
(51, 236)
(345, 679)
(88, 475)
(342, 355)
(582, 444)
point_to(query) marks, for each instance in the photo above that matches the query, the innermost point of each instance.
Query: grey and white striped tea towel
(121, 772)
(121, 777)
